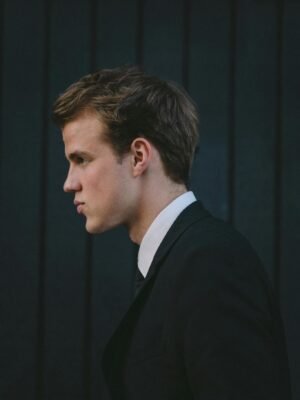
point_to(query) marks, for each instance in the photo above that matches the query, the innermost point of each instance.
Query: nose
(72, 183)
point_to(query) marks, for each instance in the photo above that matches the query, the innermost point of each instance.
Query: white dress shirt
(159, 228)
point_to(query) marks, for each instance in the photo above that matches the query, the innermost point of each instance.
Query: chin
(92, 229)
(95, 229)
(98, 225)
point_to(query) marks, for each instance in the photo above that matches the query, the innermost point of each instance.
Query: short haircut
(133, 104)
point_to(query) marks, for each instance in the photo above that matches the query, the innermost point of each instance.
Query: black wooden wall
(62, 291)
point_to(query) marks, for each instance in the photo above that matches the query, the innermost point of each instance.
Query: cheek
(94, 178)
(104, 184)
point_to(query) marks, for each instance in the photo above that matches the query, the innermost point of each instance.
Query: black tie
(139, 279)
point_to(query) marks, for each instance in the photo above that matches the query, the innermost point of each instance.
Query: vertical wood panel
(163, 39)
(1, 68)
(290, 222)
(113, 259)
(116, 33)
(20, 152)
(210, 86)
(256, 108)
(65, 253)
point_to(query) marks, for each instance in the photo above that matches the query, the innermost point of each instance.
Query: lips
(79, 206)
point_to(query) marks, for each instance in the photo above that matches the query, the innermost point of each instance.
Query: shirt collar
(159, 228)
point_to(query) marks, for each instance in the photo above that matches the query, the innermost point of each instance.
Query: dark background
(62, 291)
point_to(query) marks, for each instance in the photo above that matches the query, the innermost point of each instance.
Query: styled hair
(133, 104)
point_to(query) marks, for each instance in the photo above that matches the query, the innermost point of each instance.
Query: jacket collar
(188, 217)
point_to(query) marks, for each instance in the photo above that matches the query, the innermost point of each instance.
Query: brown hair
(134, 104)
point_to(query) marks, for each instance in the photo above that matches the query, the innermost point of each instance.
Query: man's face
(102, 184)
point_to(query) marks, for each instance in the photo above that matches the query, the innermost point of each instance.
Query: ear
(141, 150)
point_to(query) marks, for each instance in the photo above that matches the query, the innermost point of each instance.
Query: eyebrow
(75, 154)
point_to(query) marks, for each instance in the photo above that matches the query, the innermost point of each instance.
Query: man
(204, 323)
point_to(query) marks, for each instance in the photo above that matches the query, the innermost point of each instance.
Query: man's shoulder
(205, 242)
(199, 227)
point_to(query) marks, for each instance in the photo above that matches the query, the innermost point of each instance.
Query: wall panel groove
(278, 152)
(139, 59)
(290, 185)
(186, 43)
(1, 73)
(232, 110)
(43, 204)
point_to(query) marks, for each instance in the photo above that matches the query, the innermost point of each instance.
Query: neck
(152, 202)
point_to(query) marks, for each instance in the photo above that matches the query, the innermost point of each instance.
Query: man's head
(132, 104)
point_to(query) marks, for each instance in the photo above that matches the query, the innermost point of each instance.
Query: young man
(204, 323)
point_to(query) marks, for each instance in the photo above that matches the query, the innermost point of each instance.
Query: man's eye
(79, 160)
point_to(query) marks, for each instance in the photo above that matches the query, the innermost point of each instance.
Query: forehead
(86, 129)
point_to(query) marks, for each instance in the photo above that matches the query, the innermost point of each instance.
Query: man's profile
(204, 323)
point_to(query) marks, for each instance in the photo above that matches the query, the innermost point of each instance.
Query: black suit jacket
(204, 325)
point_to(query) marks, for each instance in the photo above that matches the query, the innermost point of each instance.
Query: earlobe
(141, 150)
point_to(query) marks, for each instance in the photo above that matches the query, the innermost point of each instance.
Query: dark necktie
(139, 279)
